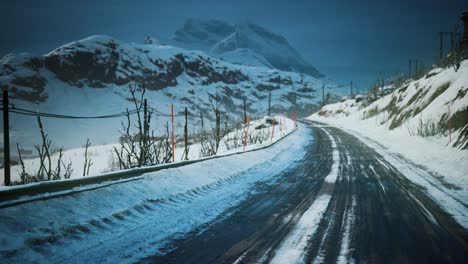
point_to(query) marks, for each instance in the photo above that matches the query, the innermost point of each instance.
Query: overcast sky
(358, 40)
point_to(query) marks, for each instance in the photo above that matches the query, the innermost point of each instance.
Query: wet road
(342, 203)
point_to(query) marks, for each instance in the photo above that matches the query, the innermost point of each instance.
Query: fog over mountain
(243, 43)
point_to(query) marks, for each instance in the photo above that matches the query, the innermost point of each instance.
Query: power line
(339, 86)
(159, 113)
(27, 112)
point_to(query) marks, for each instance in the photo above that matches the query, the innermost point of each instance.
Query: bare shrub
(45, 172)
(426, 128)
(371, 112)
(141, 148)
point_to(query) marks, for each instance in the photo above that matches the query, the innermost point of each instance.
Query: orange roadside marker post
(246, 132)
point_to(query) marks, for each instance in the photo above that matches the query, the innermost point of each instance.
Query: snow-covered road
(320, 195)
(343, 203)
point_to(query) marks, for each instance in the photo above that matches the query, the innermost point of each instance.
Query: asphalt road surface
(320, 195)
(342, 203)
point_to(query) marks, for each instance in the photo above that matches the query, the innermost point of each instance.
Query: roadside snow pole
(6, 139)
(294, 117)
(172, 134)
(449, 126)
(285, 124)
(285, 127)
(273, 132)
(247, 132)
(281, 126)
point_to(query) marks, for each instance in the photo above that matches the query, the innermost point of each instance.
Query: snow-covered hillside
(243, 43)
(414, 121)
(91, 77)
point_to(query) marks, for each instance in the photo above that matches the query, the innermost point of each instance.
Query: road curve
(342, 203)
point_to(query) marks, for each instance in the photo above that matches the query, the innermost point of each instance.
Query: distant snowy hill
(91, 77)
(244, 43)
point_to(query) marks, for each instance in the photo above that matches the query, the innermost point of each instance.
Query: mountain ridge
(91, 77)
(217, 37)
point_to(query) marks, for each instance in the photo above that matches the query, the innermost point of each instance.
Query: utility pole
(452, 42)
(441, 35)
(6, 138)
(269, 103)
(416, 62)
(245, 113)
(410, 68)
(323, 94)
(172, 133)
(441, 44)
(383, 84)
(186, 134)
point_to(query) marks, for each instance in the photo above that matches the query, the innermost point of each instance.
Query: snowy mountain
(91, 77)
(199, 33)
(244, 43)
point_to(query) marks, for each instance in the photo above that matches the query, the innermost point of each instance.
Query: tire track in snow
(292, 249)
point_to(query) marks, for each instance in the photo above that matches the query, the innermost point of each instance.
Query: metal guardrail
(50, 189)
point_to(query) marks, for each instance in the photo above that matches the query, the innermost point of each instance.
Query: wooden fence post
(6, 139)
(172, 136)
(186, 134)
(247, 132)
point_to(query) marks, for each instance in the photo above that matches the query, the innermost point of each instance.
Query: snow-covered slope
(243, 43)
(412, 121)
(420, 107)
(245, 57)
(91, 77)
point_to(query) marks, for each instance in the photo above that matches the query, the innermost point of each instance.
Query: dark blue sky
(356, 40)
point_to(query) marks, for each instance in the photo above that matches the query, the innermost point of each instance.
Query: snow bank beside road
(105, 224)
(394, 119)
(446, 162)
(388, 125)
(102, 156)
